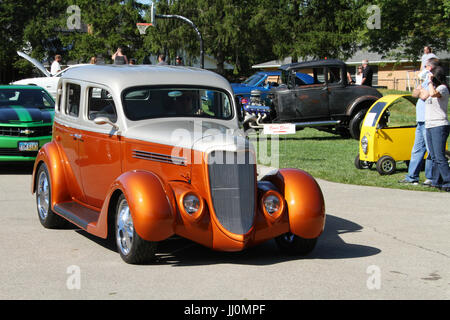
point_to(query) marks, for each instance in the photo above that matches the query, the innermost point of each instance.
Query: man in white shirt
(56, 66)
(427, 54)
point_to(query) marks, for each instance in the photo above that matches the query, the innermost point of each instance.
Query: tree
(227, 27)
(408, 25)
(26, 25)
(111, 24)
(315, 28)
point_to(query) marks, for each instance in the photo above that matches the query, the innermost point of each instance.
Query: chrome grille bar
(145, 155)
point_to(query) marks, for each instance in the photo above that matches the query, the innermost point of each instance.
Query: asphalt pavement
(378, 244)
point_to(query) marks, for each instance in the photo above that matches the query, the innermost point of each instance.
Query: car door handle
(76, 136)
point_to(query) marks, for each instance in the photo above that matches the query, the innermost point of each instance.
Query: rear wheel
(356, 122)
(132, 248)
(386, 165)
(47, 217)
(293, 245)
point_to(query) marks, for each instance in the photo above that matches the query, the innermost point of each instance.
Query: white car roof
(119, 77)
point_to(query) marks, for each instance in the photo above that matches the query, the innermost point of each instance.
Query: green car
(26, 119)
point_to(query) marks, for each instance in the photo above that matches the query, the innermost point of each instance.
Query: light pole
(189, 22)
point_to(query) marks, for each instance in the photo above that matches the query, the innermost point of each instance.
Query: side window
(73, 98)
(101, 104)
(310, 77)
(319, 76)
(334, 75)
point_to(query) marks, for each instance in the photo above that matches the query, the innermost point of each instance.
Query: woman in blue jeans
(438, 128)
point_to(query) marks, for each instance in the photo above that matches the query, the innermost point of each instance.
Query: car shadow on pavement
(16, 168)
(182, 252)
(178, 251)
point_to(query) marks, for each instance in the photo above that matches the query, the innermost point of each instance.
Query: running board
(317, 123)
(77, 214)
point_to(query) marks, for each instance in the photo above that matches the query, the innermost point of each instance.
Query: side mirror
(105, 120)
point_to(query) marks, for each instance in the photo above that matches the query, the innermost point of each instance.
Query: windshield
(27, 98)
(148, 102)
(254, 79)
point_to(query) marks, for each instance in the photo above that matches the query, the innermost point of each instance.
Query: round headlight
(364, 144)
(272, 204)
(191, 203)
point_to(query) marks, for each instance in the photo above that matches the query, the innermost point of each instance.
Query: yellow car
(383, 144)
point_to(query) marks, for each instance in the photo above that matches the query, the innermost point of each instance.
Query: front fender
(152, 213)
(304, 200)
(49, 154)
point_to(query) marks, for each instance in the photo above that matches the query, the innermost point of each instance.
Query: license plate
(29, 146)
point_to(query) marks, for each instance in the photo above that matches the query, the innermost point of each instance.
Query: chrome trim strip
(164, 158)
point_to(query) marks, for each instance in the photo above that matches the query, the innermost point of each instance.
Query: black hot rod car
(330, 103)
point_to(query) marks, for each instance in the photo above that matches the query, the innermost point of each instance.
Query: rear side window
(334, 75)
(73, 98)
(101, 104)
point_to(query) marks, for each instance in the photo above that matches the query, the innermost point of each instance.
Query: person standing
(162, 60)
(437, 126)
(119, 58)
(420, 147)
(367, 73)
(56, 65)
(427, 55)
(359, 75)
(179, 61)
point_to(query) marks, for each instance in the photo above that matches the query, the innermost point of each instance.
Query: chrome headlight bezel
(365, 144)
(191, 203)
(272, 204)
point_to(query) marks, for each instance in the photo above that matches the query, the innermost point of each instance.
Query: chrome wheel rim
(387, 166)
(43, 195)
(125, 228)
(288, 237)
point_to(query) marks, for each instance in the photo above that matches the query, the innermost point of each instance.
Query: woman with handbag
(437, 127)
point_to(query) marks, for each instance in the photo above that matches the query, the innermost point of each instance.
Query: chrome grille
(26, 131)
(232, 181)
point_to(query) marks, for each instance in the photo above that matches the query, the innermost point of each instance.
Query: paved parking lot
(378, 244)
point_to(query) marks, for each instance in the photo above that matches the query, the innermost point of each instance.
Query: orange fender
(152, 213)
(49, 154)
(304, 200)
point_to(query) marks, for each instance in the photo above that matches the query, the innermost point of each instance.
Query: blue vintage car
(264, 81)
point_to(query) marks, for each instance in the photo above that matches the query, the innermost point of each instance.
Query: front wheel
(360, 164)
(293, 245)
(132, 248)
(47, 217)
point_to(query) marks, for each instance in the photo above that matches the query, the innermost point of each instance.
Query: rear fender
(367, 101)
(149, 203)
(304, 200)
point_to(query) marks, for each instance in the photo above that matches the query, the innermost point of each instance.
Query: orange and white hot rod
(142, 153)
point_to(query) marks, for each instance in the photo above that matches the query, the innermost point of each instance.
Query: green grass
(330, 157)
